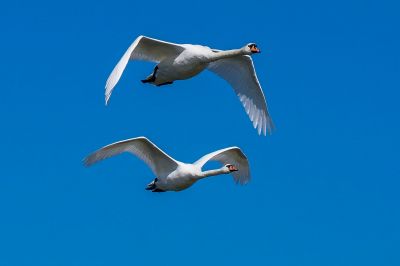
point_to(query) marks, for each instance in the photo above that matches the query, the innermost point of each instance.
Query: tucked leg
(152, 77)
(152, 185)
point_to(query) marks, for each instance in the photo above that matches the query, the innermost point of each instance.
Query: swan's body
(187, 64)
(172, 175)
(183, 61)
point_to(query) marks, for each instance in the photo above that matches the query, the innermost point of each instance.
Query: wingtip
(86, 162)
(107, 99)
(268, 126)
(262, 130)
(263, 124)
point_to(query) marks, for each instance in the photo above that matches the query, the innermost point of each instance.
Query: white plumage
(183, 61)
(172, 175)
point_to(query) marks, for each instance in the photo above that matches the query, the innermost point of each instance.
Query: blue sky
(325, 184)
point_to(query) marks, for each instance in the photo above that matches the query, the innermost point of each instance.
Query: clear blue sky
(325, 187)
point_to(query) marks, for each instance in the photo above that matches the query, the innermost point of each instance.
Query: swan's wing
(143, 48)
(239, 72)
(232, 155)
(160, 163)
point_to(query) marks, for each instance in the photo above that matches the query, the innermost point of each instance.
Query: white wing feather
(160, 163)
(143, 48)
(231, 155)
(239, 72)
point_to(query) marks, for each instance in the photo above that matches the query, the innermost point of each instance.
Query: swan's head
(230, 168)
(251, 48)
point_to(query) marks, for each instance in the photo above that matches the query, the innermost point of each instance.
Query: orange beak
(232, 168)
(255, 50)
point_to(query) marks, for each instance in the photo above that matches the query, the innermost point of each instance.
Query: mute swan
(172, 175)
(183, 61)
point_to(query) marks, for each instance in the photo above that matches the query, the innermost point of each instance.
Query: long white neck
(227, 54)
(213, 172)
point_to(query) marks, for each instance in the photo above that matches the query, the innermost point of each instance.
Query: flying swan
(172, 175)
(183, 61)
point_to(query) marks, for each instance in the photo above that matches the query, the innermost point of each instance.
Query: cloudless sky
(325, 185)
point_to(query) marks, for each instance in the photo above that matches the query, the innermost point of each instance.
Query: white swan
(183, 61)
(172, 175)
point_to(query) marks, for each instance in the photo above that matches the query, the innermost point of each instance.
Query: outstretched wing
(231, 155)
(239, 72)
(143, 48)
(160, 163)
